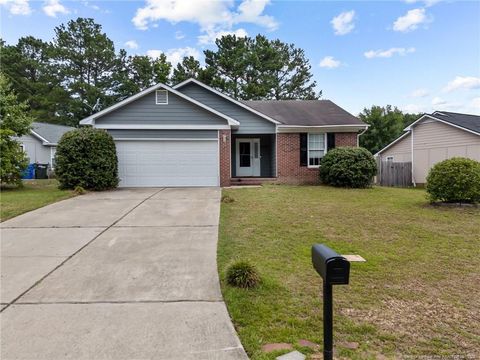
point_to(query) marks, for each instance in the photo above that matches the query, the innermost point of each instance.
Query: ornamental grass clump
(242, 274)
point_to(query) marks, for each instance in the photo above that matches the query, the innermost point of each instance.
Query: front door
(248, 157)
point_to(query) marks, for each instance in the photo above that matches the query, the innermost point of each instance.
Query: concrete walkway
(126, 274)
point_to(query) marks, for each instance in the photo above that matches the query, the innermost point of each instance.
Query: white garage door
(168, 163)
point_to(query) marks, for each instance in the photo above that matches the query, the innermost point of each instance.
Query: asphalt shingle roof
(50, 132)
(304, 112)
(467, 121)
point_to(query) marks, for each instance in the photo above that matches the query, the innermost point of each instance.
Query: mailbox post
(334, 270)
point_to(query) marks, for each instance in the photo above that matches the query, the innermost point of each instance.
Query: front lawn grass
(33, 195)
(417, 294)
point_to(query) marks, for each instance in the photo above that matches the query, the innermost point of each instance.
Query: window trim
(325, 147)
(156, 97)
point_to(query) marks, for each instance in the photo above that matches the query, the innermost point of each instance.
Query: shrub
(86, 157)
(242, 274)
(348, 167)
(454, 180)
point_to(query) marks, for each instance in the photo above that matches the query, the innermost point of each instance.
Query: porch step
(251, 181)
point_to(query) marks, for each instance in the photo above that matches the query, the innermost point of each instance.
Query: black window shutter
(330, 141)
(303, 149)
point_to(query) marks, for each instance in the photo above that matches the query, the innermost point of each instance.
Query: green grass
(417, 294)
(33, 195)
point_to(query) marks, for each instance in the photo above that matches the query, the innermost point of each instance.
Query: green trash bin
(41, 171)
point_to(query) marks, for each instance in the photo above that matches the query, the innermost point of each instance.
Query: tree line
(79, 72)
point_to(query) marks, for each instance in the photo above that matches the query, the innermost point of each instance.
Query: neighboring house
(433, 138)
(193, 135)
(41, 144)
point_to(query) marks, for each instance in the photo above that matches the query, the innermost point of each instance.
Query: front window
(316, 149)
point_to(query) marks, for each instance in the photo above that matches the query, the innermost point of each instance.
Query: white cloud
(388, 53)
(343, 23)
(411, 20)
(212, 35)
(427, 3)
(250, 11)
(54, 7)
(17, 7)
(175, 55)
(179, 35)
(475, 103)
(463, 82)
(329, 62)
(415, 108)
(419, 93)
(213, 17)
(131, 44)
(438, 101)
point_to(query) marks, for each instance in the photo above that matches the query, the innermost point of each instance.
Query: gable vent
(161, 97)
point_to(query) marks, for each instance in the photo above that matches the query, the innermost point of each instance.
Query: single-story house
(194, 135)
(433, 138)
(41, 144)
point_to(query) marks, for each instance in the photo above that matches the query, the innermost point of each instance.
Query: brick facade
(224, 140)
(345, 139)
(288, 158)
(289, 170)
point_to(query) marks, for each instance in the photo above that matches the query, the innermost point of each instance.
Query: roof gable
(91, 119)
(466, 122)
(226, 97)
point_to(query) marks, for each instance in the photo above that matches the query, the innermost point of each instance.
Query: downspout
(360, 134)
(411, 150)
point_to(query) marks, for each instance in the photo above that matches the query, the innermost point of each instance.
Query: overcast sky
(418, 55)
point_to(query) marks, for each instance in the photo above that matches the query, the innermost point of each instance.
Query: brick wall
(289, 170)
(288, 158)
(345, 139)
(224, 140)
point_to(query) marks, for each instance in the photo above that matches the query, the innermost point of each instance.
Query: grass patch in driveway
(34, 194)
(417, 294)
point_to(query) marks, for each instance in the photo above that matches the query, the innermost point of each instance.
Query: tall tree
(85, 58)
(138, 72)
(188, 68)
(14, 122)
(29, 68)
(280, 71)
(386, 124)
(229, 64)
(259, 68)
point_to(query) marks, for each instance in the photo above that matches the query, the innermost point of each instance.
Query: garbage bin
(29, 172)
(41, 171)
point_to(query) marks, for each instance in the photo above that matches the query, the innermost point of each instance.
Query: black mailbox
(333, 268)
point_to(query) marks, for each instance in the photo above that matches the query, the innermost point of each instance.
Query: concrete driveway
(126, 274)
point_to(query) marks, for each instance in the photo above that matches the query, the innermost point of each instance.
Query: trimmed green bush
(86, 158)
(242, 274)
(348, 167)
(454, 180)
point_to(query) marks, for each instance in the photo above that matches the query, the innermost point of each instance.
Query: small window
(316, 149)
(161, 97)
(389, 158)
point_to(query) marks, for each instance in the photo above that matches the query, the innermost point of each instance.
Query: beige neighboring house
(433, 138)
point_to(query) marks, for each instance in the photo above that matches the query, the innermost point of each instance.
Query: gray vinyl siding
(35, 150)
(144, 111)
(163, 134)
(249, 122)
